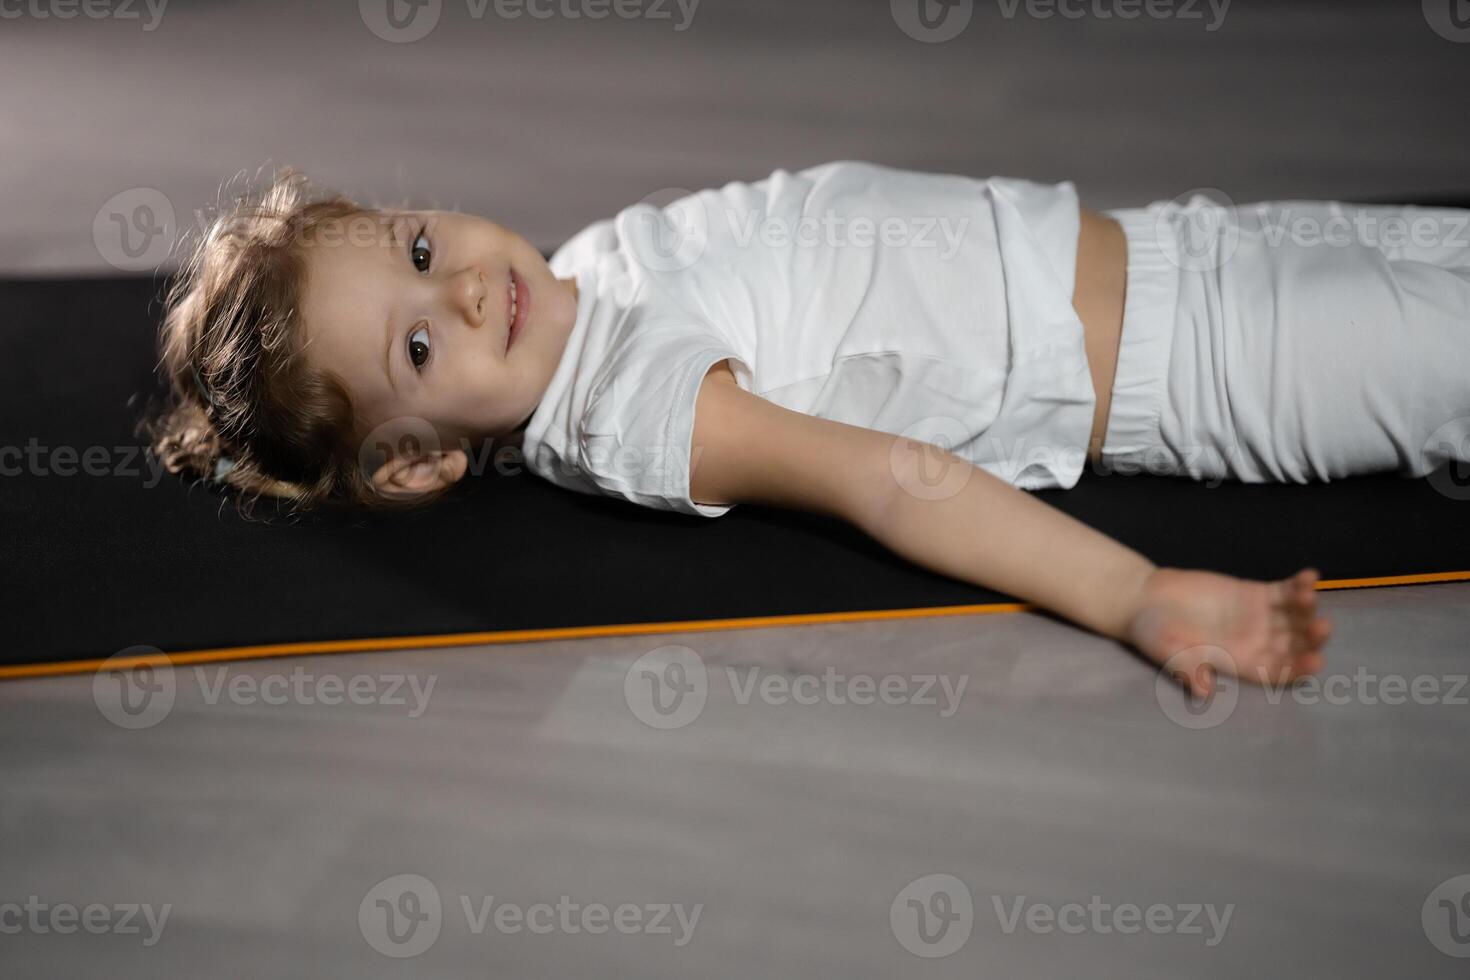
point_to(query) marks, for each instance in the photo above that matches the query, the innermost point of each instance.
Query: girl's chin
(515, 437)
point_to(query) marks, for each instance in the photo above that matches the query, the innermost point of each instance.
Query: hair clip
(204, 391)
(199, 383)
(223, 467)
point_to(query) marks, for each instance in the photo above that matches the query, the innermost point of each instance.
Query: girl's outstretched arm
(942, 512)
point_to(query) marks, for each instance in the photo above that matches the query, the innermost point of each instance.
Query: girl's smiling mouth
(517, 306)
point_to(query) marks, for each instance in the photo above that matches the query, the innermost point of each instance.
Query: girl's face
(437, 316)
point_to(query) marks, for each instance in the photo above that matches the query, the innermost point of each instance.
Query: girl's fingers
(1320, 630)
(1323, 626)
(1304, 665)
(1284, 623)
(1196, 676)
(1297, 593)
(1287, 647)
(1202, 681)
(1301, 590)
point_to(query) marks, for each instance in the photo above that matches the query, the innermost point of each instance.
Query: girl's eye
(420, 253)
(418, 347)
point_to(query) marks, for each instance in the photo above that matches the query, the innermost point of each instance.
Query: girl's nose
(469, 297)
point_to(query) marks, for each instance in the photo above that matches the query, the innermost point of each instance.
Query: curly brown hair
(245, 408)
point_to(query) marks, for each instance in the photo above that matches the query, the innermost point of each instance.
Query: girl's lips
(521, 306)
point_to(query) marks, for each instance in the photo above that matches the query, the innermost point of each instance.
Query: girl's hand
(1199, 624)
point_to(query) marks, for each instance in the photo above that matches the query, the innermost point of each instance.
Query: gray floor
(1330, 828)
(1321, 822)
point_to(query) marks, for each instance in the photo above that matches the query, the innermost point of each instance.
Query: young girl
(898, 349)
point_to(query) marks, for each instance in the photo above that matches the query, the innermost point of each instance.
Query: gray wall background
(548, 123)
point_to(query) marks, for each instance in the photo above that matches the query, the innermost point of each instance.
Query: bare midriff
(1101, 288)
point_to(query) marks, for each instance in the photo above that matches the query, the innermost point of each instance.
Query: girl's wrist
(1131, 595)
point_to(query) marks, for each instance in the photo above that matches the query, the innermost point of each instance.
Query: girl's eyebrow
(388, 356)
(388, 331)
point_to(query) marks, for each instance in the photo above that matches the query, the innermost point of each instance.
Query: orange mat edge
(323, 647)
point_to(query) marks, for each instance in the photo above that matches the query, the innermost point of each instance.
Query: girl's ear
(407, 477)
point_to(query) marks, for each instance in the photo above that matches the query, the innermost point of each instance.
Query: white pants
(1292, 341)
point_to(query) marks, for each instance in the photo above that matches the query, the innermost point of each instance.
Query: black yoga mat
(101, 551)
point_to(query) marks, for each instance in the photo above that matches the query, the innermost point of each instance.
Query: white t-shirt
(933, 306)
